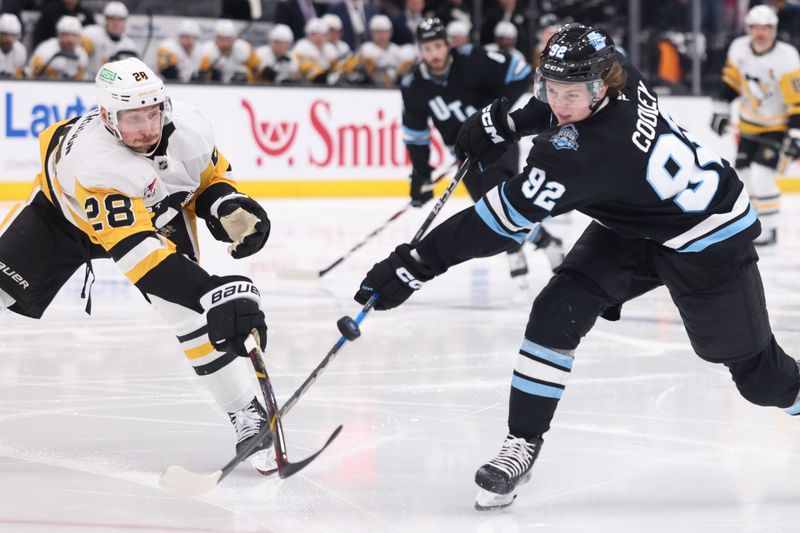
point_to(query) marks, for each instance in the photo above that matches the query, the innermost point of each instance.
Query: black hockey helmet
(577, 53)
(431, 29)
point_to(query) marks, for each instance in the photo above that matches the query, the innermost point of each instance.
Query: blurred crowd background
(680, 45)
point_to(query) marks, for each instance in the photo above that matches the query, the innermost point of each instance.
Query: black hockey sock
(536, 387)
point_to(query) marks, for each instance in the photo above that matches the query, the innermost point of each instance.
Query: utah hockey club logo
(566, 138)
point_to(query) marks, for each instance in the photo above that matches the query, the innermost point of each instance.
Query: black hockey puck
(348, 328)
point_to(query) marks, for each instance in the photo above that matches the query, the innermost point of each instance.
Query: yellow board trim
(200, 351)
(325, 189)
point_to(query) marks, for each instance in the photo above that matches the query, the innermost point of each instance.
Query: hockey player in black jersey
(667, 211)
(449, 86)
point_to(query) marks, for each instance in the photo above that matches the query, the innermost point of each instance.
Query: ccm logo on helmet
(488, 125)
(232, 289)
(406, 277)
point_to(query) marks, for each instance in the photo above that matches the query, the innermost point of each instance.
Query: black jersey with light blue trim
(629, 166)
(475, 78)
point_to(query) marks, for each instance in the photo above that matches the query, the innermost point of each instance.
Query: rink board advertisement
(280, 141)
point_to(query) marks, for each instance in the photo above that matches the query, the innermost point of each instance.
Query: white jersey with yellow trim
(12, 64)
(92, 173)
(314, 61)
(171, 54)
(284, 68)
(386, 65)
(768, 84)
(236, 65)
(101, 47)
(47, 63)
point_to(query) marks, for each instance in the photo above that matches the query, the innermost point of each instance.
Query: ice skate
(768, 238)
(247, 422)
(500, 477)
(552, 246)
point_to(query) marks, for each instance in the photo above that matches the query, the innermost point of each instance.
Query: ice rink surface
(648, 437)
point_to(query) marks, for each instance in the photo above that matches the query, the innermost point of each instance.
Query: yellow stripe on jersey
(732, 76)
(9, 216)
(748, 128)
(200, 351)
(111, 215)
(790, 88)
(147, 264)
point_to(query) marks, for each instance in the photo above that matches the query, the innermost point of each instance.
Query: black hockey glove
(395, 279)
(791, 143)
(721, 117)
(421, 187)
(487, 134)
(233, 309)
(240, 220)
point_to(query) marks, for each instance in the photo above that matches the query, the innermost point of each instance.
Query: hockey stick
(180, 481)
(316, 274)
(348, 327)
(787, 149)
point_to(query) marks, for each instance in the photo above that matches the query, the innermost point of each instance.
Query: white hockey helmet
(761, 15)
(129, 84)
(67, 24)
(281, 33)
(458, 28)
(505, 29)
(380, 23)
(225, 28)
(316, 26)
(116, 10)
(333, 21)
(10, 24)
(189, 27)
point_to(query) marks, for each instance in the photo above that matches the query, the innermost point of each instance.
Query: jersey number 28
(118, 211)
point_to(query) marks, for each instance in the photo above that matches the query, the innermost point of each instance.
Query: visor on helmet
(576, 95)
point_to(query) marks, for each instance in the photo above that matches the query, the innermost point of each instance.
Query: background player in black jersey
(667, 210)
(449, 86)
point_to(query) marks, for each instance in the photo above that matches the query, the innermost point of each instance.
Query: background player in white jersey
(227, 58)
(126, 181)
(60, 57)
(764, 74)
(12, 52)
(108, 42)
(667, 211)
(316, 55)
(276, 63)
(458, 33)
(180, 60)
(384, 62)
(505, 40)
(343, 51)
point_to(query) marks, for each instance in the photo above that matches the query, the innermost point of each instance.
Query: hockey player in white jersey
(315, 55)
(180, 59)
(227, 58)
(343, 50)
(458, 33)
(764, 74)
(505, 40)
(127, 181)
(385, 62)
(108, 42)
(276, 63)
(60, 57)
(12, 52)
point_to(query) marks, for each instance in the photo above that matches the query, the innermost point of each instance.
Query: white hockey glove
(240, 220)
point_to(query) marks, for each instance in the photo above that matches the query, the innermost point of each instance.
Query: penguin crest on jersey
(566, 138)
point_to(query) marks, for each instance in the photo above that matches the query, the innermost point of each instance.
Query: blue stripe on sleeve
(512, 76)
(516, 216)
(725, 233)
(488, 218)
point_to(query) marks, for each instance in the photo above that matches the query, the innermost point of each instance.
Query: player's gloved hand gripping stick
(316, 274)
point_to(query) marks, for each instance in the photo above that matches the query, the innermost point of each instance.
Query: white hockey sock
(232, 385)
(765, 195)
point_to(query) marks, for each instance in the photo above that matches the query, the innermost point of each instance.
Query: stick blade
(298, 275)
(179, 481)
(290, 469)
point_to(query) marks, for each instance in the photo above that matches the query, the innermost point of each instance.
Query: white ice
(647, 438)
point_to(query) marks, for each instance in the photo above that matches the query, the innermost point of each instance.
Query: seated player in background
(227, 59)
(60, 57)
(12, 52)
(180, 60)
(126, 181)
(108, 42)
(667, 211)
(276, 63)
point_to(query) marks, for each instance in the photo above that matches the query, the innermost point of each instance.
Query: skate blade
(263, 460)
(490, 501)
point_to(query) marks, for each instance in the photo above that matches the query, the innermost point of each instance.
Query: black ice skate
(767, 238)
(518, 267)
(500, 477)
(247, 422)
(552, 246)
